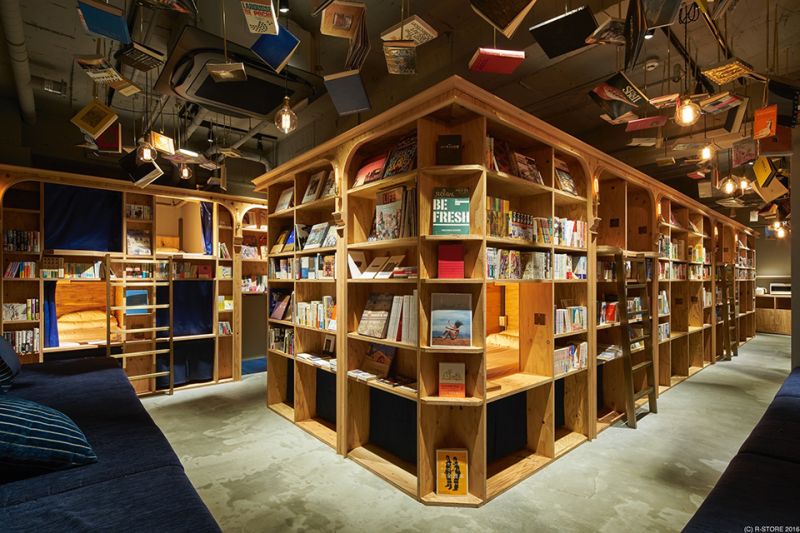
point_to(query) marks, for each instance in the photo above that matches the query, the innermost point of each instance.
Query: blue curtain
(50, 318)
(79, 218)
(206, 219)
(193, 362)
(506, 427)
(192, 308)
(393, 424)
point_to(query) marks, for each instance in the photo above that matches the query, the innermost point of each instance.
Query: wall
(254, 331)
(773, 258)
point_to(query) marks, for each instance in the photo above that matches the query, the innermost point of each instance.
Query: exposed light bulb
(729, 186)
(776, 224)
(650, 34)
(781, 233)
(744, 184)
(283, 6)
(145, 153)
(285, 118)
(185, 171)
(687, 113)
(706, 153)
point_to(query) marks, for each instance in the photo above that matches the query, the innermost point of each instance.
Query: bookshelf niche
(468, 288)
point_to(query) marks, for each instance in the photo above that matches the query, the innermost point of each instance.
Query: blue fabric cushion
(35, 439)
(791, 387)
(777, 435)
(9, 365)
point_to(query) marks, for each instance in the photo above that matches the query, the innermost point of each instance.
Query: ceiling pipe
(18, 53)
(198, 119)
(250, 156)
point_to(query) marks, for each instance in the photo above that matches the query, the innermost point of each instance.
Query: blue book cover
(134, 297)
(104, 19)
(275, 50)
(347, 92)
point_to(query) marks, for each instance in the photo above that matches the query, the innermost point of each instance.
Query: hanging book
(451, 320)
(743, 152)
(341, 18)
(125, 87)
(347, 91)
(104, 19)
(162, 143)
(403, 158)
(618, 95)
(659, 13)
(98, 69)
(612, 31)
(496, 61)
(276, 50)
(359, 46)
(412, 28)
(140, 56)
(635, 30)
(450, 213)
(565, 33)
(94, 118)
(728, 71)
(720, 102)
(260, 16)
(505, 15)
(646, 123)
(401, 57)
(736, 116)
(765, 122)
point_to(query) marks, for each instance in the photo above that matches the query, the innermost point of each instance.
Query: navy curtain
(326, 396)
(192, 308)
(393, 424)
(506, 427)
(50, 318)
(206, 219)
(193, 362)
(79, 218)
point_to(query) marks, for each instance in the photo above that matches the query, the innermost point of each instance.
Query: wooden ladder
(730, 313)
(638, 285)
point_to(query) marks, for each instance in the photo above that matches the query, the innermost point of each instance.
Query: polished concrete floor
(257, 472)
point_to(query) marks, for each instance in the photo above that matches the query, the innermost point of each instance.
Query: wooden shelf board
(319, 204)
(385, 342)
(375, 384)
(573, 333)
(608, 325)
(694, 370)
(194, 337)
(677, 334)
(515, 383)
(564, 248)
(399, 473)
(253, 230)
(514, 185)
(449, 281)
(565, 198)
(281, 254)
(695, 329)
(283, 409)
(608, 418)
(283, 213)
(306, 280)
(24, 279)
(443, 349)
(510, 470)
(570, 280)
(21, 252)
(410, 281)
(674, 380)
(281, 353)
(321, 429)
(437, 238)
(255, 260)
(19, 322)
(270, 280)
(21, 210)
(312, 251)
(451, 500)
(570, 373)
(508, 241)
(315, 330)
(254, 293)
(567, 440)
(439, 400)
(281, 322)
(405, 242)
(369, 190)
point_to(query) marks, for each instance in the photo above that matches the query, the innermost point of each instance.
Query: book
(358, 46)
(378, 360)
(110, 141)
(743, 152)
(450, 212)
(280, 241)
(720, 102)
(646, 123)
(452, 380)
(660, 13)
(765, 122)
(618, 96)
(140, 56)
(564, 179)
(451, 320)
(450, 261)
(778, 146)
(452, 468)
(260, 16)
(98, 69)
(402, 158)
(388, 214)
(371, 170)
(400, 56)
(496, 61)
(735, 116)
(387, 269)
(505, 15)
(394, 332)
(612, 31)
(347, 92)
(374, 267)
(104, 19)
(284, 200)
(565, 33)
(300, 235)
(94, 118)
(375, 317)
(412, 28)
(139, 242)
(341, 18)
(319, 6)
(356, 262)
(161, 142)
(281, 305)
(329, 185)
(316, 235)
(276, 50)
(448, 150)
(527, 169)
(635, 31)
(314, 187)
(224, 328)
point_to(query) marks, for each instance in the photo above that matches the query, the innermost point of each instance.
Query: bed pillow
(35, 439)
(9, 365)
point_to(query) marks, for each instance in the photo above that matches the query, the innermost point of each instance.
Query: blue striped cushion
(35, 438)
(9, 365)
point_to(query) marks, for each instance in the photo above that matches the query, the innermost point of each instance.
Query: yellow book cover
(451, 471)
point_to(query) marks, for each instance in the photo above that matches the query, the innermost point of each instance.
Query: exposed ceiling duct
(13, 29)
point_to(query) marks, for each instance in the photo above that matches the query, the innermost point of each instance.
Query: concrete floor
(258, 472)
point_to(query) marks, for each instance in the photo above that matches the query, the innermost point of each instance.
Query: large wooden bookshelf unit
(513, 385)
(136, 344)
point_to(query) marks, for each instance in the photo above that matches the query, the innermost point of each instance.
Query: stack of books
(20, 270)
(23, 341)
(568, 232)
(607, 313)
(281, 339)
(21, 311)
(392, 317)
(186, 270)
(706, 297)
(664, 246)
(317, 314)
(513, 264)
(254, 284)
(608, 352)
(566, 266)
(501, 221)
(698, 254)
(663, 303)
(15, 240)
(395, 214)
(569, 358)
(570, 319)
(663, 331)
(699, 272)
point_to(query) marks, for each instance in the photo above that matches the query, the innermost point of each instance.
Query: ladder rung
(635, 259)
(641, 366)
(139, 261)
(636, 285)
(639, 312)
(138, 307)
(138, 354)
(142, 330)
(149, 376)
(642, 393)
(140, 283)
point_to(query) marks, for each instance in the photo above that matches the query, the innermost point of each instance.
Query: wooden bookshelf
(511, 375)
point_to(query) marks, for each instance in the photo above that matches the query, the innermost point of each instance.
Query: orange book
(452, 382)
(765, 123)
(451, 471)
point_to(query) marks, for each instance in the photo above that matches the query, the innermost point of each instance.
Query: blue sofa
(759, 487)
(137, 483)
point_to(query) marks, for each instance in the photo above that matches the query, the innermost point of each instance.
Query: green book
(450, 211)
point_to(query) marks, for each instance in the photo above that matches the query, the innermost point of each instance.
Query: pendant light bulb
(285, 118)
(729, 186)
(145, 153)
(776, 224)
(185, 171)
(781, 233)
(687, 113)
(707, 153)
(744, 184)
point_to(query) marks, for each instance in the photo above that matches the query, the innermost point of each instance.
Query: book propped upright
(347, 92)
(496, 61)
(505, 15)
(276, 50)
(565, 33)
(104, 19)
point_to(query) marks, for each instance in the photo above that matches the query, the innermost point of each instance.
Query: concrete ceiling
(552, 89)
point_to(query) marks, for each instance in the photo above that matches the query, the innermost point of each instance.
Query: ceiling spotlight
(687, 113)
(707, 153)
(283, 6)
(185, 171)
(145, 153)
(729, 186)
(650, 34)
(285, 118)
(781, 233)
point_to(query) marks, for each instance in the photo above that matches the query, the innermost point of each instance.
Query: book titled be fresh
(450, 211)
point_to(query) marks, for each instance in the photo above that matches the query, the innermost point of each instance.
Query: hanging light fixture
(744, 184)
(185, 171)
(283, 6)
(706, 153)
(145, 153)
(776, 224)
(687, 113)
(729, 186)
(781, 232)
(285, 118)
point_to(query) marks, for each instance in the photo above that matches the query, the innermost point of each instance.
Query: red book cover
(111, 139)
(496, 61)
(611, 312)
(646, 123)
(451, 261)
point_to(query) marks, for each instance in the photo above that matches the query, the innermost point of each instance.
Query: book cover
(374, 267)
(104, 19)
(110, 141)
(451, 320)
(765, 122)
(452, 467)
(413, 28)
(720, 102)
(375, 318)
(612, 31)
(660, 13)
(341, 18)
(136, 298)
(403, 157)
(371, 170)
(452, 380)
(139, 242)
(378, 360)
(646, 123)
(764, 170)
(450, 261)
(329, 185)
(401, 57)
(281, 305)
(316, 235)
(503, 157)
(736, 116)
(94, 118)
(388, 267)
(347, 92)
(565, 33)
(496, 61)
(448, 150)
(388, 214)
(743, 152)
(618, 96)
(527, 169)
(284, 200)
(505, 15)
(260, 16)
(778, 146)
(314, 187)
(276, 50)
(450, 213)
(565, 181)
(356, 262)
